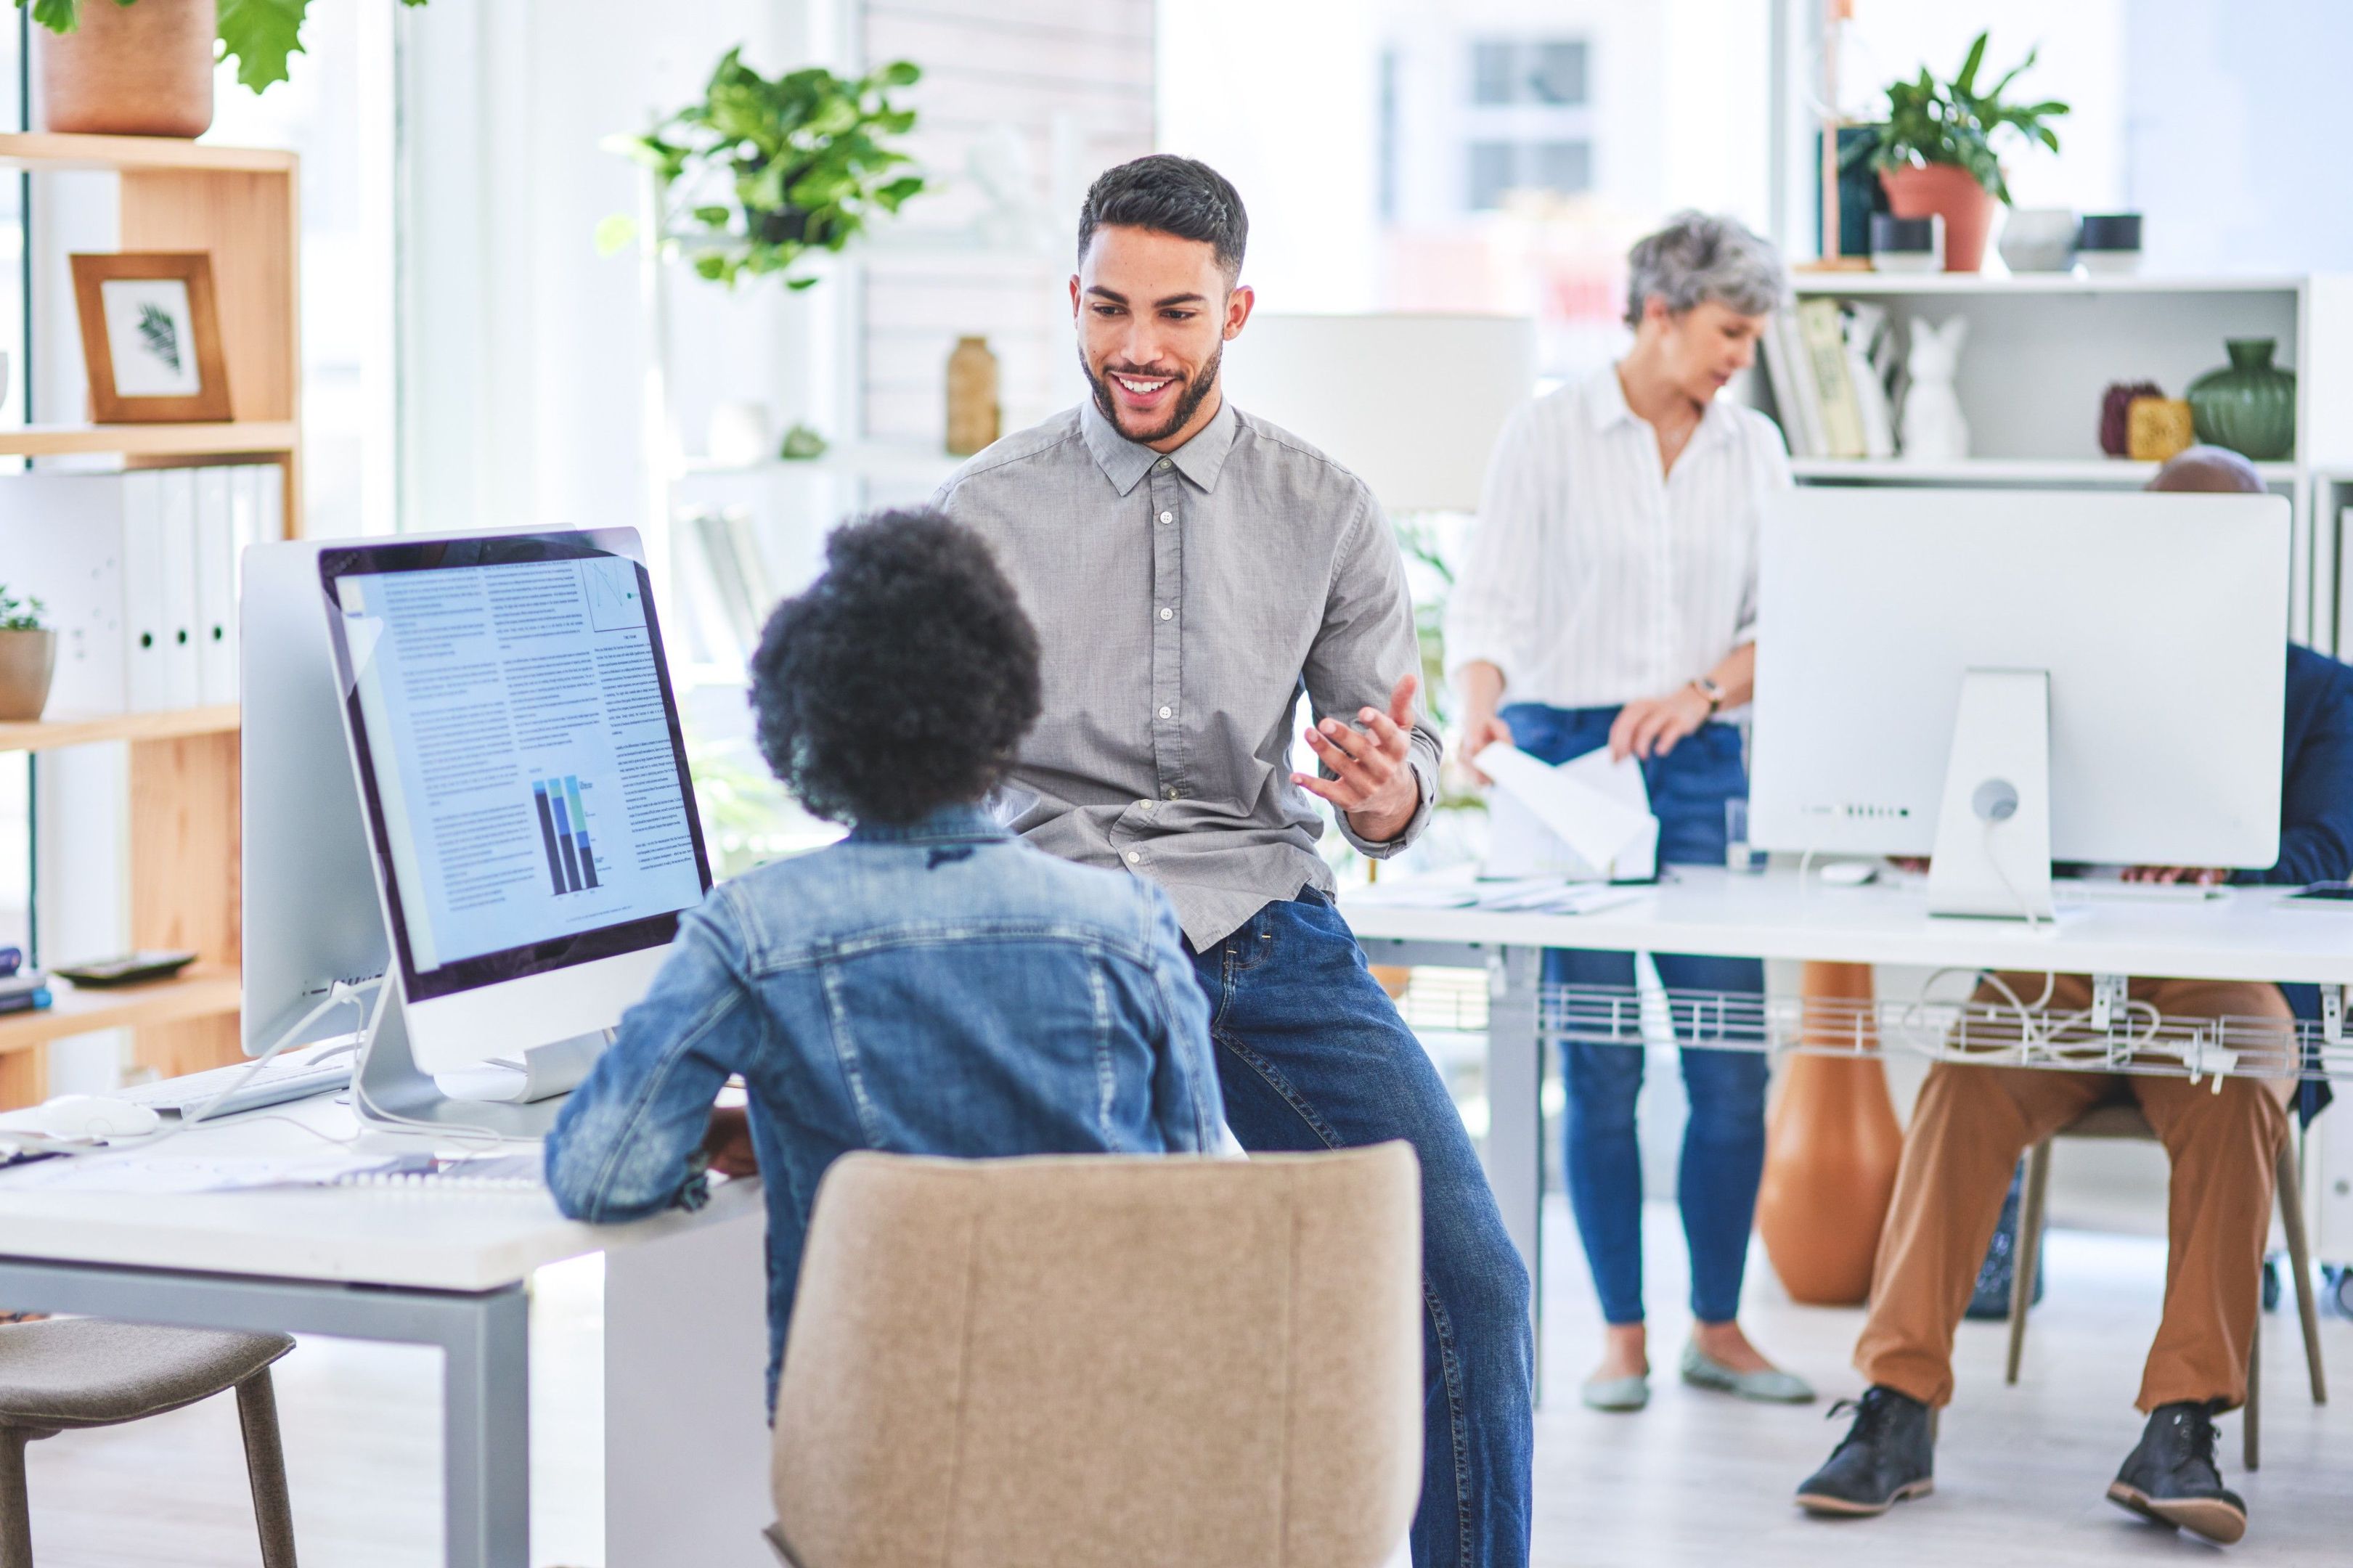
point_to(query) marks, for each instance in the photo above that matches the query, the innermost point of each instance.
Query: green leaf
(57, 15)
(261, 35)
(900, 73)
(714, 216)
(616, 234)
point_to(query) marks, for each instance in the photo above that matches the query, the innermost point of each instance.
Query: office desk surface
(2251, 935)
(415, 1237)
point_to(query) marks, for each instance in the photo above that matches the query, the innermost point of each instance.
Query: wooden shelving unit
(240, 205)
(48, 734)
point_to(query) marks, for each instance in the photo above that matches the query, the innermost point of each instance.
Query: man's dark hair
(1169, 195)
(903, 680)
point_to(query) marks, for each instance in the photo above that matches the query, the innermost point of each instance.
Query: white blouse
(1593, 578)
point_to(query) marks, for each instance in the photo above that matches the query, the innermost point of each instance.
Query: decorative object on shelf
(802, 444)
(2249, 405)
(2109, 244)
(1934, 428)
(764, 171)
(28, 657)
(974, 415)
(1935, 153)
(1907, 244)
(1861, 196)
(2158, 429)
(742, 433)
(2039, 239)
(150, 336)
(2115, 414)
(1831, 1146)
(144, 68)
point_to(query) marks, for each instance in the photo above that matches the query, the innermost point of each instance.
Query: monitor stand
(390, 1091)
(1993, 827)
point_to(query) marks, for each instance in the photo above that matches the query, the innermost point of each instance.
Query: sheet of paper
(161, 1173)
(1586, 803)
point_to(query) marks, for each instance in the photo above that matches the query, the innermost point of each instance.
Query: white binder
(182, 675)
(146, 622)
(61, 537)
(215, 584)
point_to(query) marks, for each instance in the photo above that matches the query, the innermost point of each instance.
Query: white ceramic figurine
(1934, 428)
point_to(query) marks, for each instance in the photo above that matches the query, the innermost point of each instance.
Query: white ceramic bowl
(2039, 239)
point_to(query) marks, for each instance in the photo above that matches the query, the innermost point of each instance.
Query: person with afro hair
(930, 984)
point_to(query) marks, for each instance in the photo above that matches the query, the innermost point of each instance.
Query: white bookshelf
(2043, 348)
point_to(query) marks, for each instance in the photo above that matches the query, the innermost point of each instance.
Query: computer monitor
(475, 735)
(2000, 678)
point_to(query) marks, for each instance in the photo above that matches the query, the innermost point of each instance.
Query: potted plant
(764, 171)
(144, 68)
(1936, 155)
(28, 657)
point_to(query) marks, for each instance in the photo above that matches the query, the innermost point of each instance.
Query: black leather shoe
(2172, 1478)
(1889, 1455)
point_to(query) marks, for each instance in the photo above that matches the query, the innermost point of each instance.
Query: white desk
(685, 1327)
(2252, 935)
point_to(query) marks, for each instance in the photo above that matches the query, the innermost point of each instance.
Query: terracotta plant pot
(28, 660)
(1831, 1146)
(145, 70)
(1928, 190)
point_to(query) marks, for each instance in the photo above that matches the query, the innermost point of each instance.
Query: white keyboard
(274, 1085)
(2073, 890)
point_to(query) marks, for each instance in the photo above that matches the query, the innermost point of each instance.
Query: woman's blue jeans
(1723, 1139)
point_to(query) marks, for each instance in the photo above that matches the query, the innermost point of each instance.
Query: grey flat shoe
(1770, 1386)
(1616, 1393)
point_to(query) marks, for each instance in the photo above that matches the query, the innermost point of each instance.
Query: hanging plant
(764, 171)
(258, 35)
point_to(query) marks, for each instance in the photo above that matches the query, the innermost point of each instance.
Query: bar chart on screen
(563, 830)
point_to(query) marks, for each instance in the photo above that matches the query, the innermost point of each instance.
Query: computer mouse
(1848, 873)
(94, 1116)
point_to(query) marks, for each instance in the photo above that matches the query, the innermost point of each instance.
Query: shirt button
(1168, 712)
(1167, 615)
(1134, 856)
(1172, 791)
(1143, 806)
(1167, 517)
(1162, 465)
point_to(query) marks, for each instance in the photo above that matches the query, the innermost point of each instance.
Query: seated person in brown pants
(1973, 1123)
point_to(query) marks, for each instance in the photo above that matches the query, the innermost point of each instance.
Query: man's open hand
(1373, 779)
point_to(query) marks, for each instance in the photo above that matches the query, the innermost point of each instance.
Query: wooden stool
(67, 1373)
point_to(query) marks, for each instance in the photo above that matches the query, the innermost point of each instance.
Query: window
(1549, 72)
(1526, 120)
(1556, 168)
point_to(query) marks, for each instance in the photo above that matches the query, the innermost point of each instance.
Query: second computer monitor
(2160, 621)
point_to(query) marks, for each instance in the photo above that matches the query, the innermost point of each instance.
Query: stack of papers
(1532, 895)
(1586, 820)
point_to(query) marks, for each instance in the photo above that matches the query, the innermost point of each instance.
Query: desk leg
(486, 1436)
(1516, 1114)
(686, 1415)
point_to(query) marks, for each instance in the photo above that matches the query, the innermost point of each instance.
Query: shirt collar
(1124, 462)
(963, 820)
(1606, 406)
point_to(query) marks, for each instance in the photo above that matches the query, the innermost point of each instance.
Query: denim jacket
(935, 989)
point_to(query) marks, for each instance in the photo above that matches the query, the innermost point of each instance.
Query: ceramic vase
(1949, 191)
(2248, 405)
(28, 660)
(1831, 1146)
(130, 70)
(973, 411)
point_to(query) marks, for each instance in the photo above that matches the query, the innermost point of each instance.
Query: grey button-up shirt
(1183, 601)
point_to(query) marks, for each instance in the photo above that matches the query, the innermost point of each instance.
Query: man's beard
(1189, 401)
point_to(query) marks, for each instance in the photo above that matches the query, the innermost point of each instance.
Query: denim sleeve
(1187, 1099)
(628, 1142)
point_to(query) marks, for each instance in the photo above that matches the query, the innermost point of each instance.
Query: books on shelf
(138, 574)
(725, 581)
(1830, 363)
(25, 991)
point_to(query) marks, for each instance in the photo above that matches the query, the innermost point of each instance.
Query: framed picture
(151, 337)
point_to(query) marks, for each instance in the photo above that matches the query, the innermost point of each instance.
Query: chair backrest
(1091, 1360)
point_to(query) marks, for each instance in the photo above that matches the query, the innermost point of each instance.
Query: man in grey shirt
(1191, 570)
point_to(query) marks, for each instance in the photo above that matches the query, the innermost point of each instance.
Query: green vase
(2249, 405)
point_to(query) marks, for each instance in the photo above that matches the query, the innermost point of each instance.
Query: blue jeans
(1312, 1056)
(1724, 1140)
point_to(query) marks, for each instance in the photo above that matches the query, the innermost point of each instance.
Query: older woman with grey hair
(1610, 600)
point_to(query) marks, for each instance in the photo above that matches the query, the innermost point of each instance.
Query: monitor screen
(519, 751)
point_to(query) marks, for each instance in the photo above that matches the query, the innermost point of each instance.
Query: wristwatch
(1712, 691)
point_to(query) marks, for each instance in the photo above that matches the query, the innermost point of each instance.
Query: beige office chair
(2123, 1118)
(1095, 1360)
(68, 1373)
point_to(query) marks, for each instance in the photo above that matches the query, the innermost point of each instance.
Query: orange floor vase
(1831, 1145)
